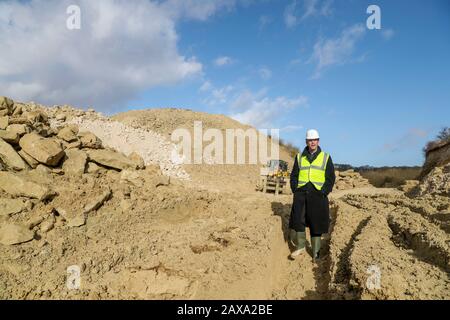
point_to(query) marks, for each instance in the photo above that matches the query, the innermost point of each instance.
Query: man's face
(312, 144)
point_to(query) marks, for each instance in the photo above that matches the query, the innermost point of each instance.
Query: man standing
(312, 179)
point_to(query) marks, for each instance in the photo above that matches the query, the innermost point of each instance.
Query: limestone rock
(350, 179)
(4, 122)
(19, 186)
(6, 104)
(20, 129)
(74, 145)
(10, 157)
(112, 159)
(36, 116)
(28, 159)
(11, 206)
(90, 140)
(92, 168)
(73, 219)
(75, 162)
(45, 150)
(14, 234)
(47, 225)
(77, 221)
(98, 201)
(133, 177)
(10, 137)
(68, 134)
(161, 180)
(136, 158)
(18, 110)
(43, 169)
(19, 120)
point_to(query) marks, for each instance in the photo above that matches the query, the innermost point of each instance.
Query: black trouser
(310, 209)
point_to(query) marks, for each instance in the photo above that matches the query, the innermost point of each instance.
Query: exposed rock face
(438, 155)
(45, 150)
(436, 182)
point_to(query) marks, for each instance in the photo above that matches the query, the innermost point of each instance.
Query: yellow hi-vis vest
(312, 172)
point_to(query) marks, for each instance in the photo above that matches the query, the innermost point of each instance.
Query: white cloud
(122, 48)
(222, 61)
(260, 111)
(290, 19)
(336, 51)
(293, 15)
(206, 86)
(218, 96)
(264, 21)
(254, 108)
(265, 73)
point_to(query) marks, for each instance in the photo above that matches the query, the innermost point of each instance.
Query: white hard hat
(312, 134)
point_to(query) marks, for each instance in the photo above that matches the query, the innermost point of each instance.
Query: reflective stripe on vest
(312, 172)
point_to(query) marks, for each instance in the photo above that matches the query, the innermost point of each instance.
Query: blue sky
(376, 96)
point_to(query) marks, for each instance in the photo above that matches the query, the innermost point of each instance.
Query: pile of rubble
(154, 148)
(45, 170)
(350, 179)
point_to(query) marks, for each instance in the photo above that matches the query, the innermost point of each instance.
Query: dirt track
(230, 246)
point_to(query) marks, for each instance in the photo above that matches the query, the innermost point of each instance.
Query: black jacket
(330, 176)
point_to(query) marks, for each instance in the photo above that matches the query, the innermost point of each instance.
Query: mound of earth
(238, 177)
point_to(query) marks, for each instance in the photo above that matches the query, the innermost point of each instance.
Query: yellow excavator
(274, 176)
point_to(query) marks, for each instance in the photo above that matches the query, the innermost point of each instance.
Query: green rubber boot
(298, 240)
(315, 244)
